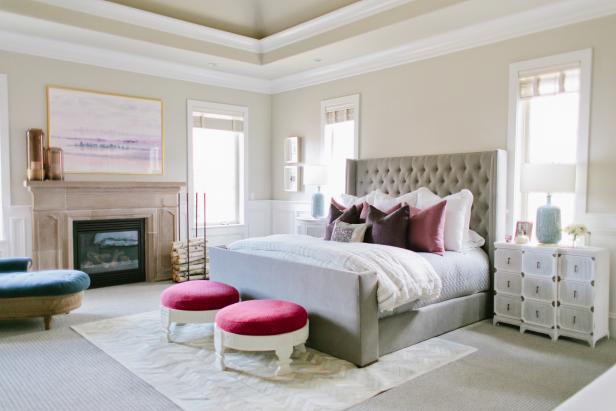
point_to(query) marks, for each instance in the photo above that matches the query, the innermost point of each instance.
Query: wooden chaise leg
(47, 320)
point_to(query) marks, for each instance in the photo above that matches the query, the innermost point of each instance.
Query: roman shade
(213, 121)
(339, 114)
(563, 80)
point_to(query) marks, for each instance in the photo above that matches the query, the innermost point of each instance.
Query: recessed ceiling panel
(252, 18)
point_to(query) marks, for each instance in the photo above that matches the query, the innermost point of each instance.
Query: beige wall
(456, 103)
(28, 76)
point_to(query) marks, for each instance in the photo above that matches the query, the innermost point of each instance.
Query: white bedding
(403, 275)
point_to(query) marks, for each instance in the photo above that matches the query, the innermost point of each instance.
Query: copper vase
(54, 163)
(35, 153)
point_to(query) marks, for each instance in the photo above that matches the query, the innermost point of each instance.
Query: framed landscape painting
(105, 133)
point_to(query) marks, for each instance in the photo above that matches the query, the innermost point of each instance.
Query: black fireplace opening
(111, 252)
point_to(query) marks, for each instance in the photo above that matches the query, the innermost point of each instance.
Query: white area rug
(184, 371)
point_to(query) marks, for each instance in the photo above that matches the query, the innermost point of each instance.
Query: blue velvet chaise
(25, 294)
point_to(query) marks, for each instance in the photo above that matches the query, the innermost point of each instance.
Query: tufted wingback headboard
(482, 173)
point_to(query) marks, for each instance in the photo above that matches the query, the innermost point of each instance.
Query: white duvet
(403, 275)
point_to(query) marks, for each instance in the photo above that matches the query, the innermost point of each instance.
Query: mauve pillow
(427, 229)
(350, 215)
(388, 229)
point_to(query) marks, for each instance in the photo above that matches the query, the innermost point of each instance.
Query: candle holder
(35, 153)
(54, 163)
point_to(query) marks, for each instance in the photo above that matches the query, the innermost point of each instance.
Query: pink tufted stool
(262, 325)
(194, 302)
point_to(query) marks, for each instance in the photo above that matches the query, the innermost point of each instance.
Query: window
(5, 188)
(216, 161)
(551, 127)
(340, 125)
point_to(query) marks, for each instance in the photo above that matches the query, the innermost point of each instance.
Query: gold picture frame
(106, 133)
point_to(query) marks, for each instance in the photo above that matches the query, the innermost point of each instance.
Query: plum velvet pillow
(427, 229)
(388, 229)
(365, 207)
(350, 215)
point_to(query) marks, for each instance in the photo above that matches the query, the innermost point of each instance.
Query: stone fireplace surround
(57, 204)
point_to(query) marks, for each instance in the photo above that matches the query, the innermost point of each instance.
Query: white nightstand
(311, 226)
(555, 290)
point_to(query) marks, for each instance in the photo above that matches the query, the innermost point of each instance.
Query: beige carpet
(60, 370)
(185, 371)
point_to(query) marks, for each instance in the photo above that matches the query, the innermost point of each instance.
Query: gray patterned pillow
(348, 233)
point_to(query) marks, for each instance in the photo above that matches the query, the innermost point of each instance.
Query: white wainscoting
(603, 229)
(18, 232)
(284, 214)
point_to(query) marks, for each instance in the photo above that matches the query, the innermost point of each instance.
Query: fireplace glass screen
(110, 251)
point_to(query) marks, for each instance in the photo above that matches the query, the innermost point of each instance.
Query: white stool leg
(284, 359)
(166, 322)
(301, 348)
(220, 348)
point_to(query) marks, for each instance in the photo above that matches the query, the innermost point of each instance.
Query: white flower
(576, 229)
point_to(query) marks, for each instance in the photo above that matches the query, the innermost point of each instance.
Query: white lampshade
(315, 175)
(548, 178)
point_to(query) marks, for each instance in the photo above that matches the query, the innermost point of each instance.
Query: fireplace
(111, 252)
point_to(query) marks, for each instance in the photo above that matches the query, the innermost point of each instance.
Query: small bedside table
(311, 226)
(555, 290)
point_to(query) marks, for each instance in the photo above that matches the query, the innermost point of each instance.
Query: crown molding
(330, 21)
(517, 25)
(142, 18)
(311, 28)
(117, 60)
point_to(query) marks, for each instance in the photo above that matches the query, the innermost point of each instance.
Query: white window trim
(205, 106)
(5, 169)
(346, 101)
(584, 57)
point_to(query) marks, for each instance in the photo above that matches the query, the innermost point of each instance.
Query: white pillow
(473, 240)
(457, 215)
(348, 200)
(385, 202)
(348, 233)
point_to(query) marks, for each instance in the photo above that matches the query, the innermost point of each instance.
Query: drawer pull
(574, 319)
(508, 260)
(574, 294)
(537, 313)
(538, 264)
(537, 290)
(508, 284)
(575, 268)
(507, 307)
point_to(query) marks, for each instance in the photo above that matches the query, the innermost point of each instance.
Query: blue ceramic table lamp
(316, 176)
(549, 179)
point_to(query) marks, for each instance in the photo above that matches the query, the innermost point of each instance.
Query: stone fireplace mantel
(57, 204)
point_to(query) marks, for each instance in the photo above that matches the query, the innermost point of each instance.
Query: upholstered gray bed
(344, 319)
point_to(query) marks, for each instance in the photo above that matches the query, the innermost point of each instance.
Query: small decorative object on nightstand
(555, 290)
(311, 226)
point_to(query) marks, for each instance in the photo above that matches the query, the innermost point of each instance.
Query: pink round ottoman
(194, 302)
(262, 325)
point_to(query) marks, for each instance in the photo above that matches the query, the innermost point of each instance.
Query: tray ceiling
(251, 18)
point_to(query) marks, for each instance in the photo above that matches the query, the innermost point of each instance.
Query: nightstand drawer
(575, 293)
(508, 282)
(539, 287)
(539, 263)
(577, 267)
(575, 319)
(508, 260)
(507, 305)
(539, 313)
